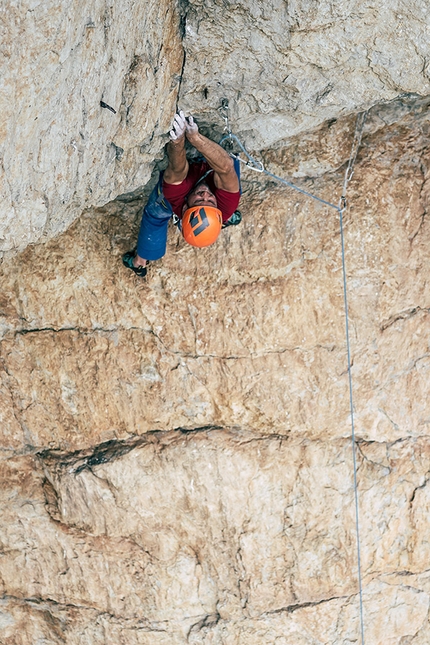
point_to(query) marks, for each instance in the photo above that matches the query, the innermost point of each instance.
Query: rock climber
(203, 196)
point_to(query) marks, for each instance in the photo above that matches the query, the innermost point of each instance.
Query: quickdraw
(230, 138)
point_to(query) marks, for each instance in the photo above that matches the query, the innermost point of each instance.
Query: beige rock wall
(176, 464)
(60, 151)
(215, 537)
(288, 66)
(285, 68)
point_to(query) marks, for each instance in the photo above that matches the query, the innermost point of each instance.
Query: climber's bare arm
(225, 176)
(177, 168)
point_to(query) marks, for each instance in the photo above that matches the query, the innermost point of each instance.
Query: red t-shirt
(176, 195)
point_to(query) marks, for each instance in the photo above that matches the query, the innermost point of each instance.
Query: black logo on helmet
(199, 221)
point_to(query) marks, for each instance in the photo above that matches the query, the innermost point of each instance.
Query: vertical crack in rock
(183, 12)
(423, 485)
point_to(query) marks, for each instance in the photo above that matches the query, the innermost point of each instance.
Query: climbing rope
(258, 166)
(359, 126)
(252, 163)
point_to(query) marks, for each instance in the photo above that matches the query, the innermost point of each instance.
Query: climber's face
(200, 196)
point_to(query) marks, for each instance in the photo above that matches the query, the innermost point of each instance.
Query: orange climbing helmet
(201, 225)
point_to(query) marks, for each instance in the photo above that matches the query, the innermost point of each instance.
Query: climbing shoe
(233, 220)
(127, 260)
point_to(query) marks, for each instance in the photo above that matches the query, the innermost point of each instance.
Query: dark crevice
(289, 609)
(181, 75)
(85, 331)
(404, 573)
(108, 451)
(403, 315)
(80, 460)
(423, 485)
(37, 330)
(184, 7)
(39, 600)
(49, 603)
(197, 430)
(208, 621)
(193, 355)
(183, 13)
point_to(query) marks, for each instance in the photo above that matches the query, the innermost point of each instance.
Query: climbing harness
(229, 139)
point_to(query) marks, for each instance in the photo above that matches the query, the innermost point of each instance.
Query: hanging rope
(258, 166)
(359, 125)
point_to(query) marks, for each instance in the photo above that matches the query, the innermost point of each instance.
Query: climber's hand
(191, 126)
(178, 127)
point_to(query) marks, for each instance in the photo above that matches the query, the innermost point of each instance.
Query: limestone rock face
(285, 67)
(60, 151)
(288, 66)
(176, 462)
(175, 453)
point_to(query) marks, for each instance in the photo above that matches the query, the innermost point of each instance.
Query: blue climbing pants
(152, 240)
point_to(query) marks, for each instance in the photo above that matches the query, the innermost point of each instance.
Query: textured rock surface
(175, 462)
(215, 537)
(288, 66)
(285, 68)
(60, 151)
